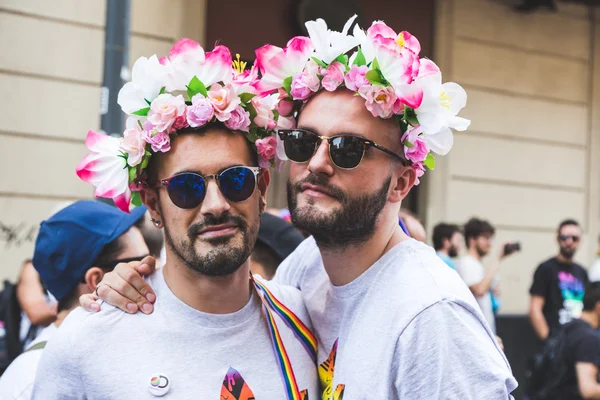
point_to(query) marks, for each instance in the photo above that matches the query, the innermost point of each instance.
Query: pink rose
(333, 76)
(239, 120)
(181, 122)
(267, 149)
(381, 101)
(286, 122)
(200, 112)
(300, 89)
(223, 100)
(419, 150)
(264, 115)
(159, 141)
(420, 170)
(133, 144)
(164, 110)
(355, 78)
(136, 186)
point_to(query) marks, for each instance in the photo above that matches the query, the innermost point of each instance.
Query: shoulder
(289, 296)
(18, 379)
(291, 271)
(417, 280)
(547, 265)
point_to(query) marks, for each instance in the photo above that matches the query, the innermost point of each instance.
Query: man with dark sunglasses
(558, 284)
(74, 249)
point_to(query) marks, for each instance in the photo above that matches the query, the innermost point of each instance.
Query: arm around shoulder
(447, 351)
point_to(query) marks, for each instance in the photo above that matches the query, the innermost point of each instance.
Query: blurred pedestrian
(478, 238)
(447, 242)
(74, 248)
(558, 284)
(415, 228)
(573, 372)
(594, 271)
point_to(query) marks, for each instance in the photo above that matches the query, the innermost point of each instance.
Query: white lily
(147, 78)
(330, 44)
(438, 111)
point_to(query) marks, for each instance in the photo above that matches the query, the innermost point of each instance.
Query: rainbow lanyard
(301, 331)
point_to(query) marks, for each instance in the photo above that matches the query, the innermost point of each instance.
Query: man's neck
(209, 294)
(564, 259)
(591, 318)
(474, 253)
(345, 265)
(60, 317)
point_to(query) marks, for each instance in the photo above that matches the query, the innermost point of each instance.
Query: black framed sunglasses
(564, 238)
(345, 151)
(187, 190)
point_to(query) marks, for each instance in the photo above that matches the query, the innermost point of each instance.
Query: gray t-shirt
(177, 351)
(407, 328)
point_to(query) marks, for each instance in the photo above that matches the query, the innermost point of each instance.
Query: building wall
(51, 58)
(529, 159)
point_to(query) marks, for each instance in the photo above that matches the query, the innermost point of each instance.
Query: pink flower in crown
(420, 170)
(158, 141)
(419, 150)
(105, 169)
(181, 122)
(286, 122)
(164, 110)
(285, 107)
(355, 78)
(384, 36)
(133, 145)
(307, 82)
(267, 149)
(239, 120)
(136, 186)
(333, 76)
(264, 106)
(224, 100)
(381, 101)
(200, 112)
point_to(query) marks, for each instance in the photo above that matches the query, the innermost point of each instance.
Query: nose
(214, 202)
(320, 163)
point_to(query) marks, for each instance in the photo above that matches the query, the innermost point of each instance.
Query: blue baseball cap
(69, 242)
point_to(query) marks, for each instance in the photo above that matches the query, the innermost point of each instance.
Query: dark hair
(592, 295)
(152, 169)
(476, 227)
(266, 257)
(109, 253)
(567, 222)
(443, 231)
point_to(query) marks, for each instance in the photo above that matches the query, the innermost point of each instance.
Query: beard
(352, 224)
(482, 253)
(224, 258)
(567, 253)
(452, 252)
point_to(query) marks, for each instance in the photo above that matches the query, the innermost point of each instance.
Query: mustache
(211, 220)
(321, 180)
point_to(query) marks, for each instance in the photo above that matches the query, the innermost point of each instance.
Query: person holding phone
(478, 238)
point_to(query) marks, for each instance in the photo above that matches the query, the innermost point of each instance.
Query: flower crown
(187, 89)
(384, 68)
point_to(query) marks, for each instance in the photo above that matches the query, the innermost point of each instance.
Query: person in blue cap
(73, 251)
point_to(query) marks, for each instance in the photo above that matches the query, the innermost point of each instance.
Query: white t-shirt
(594, 271)
(178, 349)
(17, 381)
(407, 328)
(472, 272)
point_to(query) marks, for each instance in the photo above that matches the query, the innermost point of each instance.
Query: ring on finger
(98, 286)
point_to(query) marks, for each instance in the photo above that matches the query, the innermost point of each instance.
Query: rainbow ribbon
(300, 330)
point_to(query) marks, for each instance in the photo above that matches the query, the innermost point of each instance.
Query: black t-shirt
(581, 345)
(562, 287)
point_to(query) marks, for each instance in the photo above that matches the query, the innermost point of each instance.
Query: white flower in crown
(188, 59)
(147, 79)
(438, 109)
(329, 44)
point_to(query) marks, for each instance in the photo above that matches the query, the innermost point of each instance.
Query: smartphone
(510, 248)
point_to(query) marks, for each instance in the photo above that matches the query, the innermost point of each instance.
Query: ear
(403, 179)
(93, 276)
(264, 179)
(150, 199)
